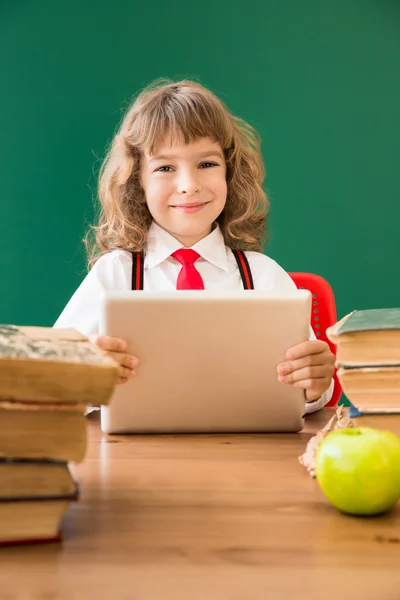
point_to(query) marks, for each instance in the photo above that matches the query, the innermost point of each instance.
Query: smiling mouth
(190, 207)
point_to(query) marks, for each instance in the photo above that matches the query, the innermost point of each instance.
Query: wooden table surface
(205, 517)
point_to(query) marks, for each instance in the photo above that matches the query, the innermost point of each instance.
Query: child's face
(185, 187)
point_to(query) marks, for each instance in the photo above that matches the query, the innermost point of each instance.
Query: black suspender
(244, 269)
(241, 259)
(137, 270)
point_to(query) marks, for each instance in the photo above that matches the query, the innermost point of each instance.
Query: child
(182, 183)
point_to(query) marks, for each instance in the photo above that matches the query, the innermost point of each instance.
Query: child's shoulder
(113, 270)
(267, 273)
(262, 261)
(113, 258)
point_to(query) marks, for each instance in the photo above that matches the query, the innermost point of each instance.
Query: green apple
(358, 469)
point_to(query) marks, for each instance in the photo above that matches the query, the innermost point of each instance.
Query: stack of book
(368, 360)
(47, 377)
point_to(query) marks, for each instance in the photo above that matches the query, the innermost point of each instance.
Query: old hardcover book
(35, 480)
(31, 521)
(42, 430)
(41, 364)
(367, 338)
(34, 495)
(371, 387)
(388, 420)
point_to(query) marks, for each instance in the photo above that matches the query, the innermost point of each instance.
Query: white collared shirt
(216, 265)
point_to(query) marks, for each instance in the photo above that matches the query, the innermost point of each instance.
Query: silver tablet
(208, 361)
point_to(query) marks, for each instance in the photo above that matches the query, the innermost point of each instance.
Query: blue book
(354, 412)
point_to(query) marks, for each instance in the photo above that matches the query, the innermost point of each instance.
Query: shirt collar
(162, 244)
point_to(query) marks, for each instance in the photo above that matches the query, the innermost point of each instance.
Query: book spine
(6, 543)
(34, 461)
(73, 497)
(348, 366)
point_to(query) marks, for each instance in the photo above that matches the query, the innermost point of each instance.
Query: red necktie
(189, 278)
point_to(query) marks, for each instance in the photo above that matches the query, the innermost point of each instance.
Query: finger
(112, 344)
(125, 360)
(307, 361)
(126, 373)
(317, 385)
(314, 372)
(305, 348)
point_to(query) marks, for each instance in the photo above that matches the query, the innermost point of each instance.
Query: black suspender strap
(244, 269)
(137, 270)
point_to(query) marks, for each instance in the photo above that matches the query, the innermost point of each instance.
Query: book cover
(50, 365)
(368, 367)
(355, 413)
(31, 521)
(376, 319)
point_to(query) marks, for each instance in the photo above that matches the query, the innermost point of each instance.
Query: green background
(319, 80)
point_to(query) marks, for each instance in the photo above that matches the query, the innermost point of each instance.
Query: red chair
(323, 314)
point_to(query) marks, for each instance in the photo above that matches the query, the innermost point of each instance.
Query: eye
(207, 165)
(164, 169)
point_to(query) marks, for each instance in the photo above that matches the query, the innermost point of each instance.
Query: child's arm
(116, 349)
(309, 365)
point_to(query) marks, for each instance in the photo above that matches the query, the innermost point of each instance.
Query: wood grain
(206, 517)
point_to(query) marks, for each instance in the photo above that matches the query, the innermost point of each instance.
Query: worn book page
(338, 421)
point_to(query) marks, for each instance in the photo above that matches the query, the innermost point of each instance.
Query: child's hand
(116, 349)
(309, 365)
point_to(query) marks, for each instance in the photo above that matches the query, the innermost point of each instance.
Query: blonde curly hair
(189, 111)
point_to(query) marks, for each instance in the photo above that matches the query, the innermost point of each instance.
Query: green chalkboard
(319, 80)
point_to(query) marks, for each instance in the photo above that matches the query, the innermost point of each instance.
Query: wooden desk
(206, 517)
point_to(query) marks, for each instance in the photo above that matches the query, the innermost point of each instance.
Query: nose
(188, 184)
